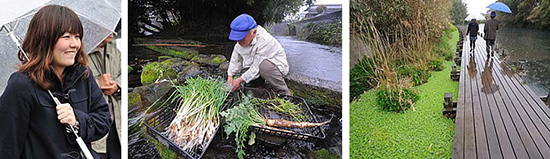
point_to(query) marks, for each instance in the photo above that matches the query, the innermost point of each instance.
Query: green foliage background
(459, 12)
(207, 17)
(526, 13)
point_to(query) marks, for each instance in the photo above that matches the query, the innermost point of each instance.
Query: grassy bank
(421, 132)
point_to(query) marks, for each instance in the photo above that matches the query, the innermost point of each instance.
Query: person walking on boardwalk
(473, 28)
(52, 89)
(490, 29)
(258, 51)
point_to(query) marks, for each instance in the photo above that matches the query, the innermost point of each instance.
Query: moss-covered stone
(174, 53)
(224, 66)
(194, 58)
(148, 75)
(203, 59)
(167, 62)
(133, 99)
(162, 58)
(315, 95)
(323, 154)
(152, 71)
(217, 60)
(164, 151)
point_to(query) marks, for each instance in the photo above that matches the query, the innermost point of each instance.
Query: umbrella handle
(79, 140)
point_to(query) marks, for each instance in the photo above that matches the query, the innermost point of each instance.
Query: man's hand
(110, 89)
(229, 79)
(104, 80)
(107, 84)
(235, 83)
(65, 114)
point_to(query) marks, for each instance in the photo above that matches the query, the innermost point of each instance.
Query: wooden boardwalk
(497, 115)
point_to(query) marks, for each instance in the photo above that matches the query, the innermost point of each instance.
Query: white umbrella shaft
(14, 39)
(83, 147)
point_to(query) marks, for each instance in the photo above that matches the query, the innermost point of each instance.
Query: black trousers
(113, 143)
(490, 45)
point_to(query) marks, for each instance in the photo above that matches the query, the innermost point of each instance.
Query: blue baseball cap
(240, 27)
(493, 14)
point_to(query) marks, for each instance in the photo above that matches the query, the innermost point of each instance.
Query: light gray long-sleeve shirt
(263, 47)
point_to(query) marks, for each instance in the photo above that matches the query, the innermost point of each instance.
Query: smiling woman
(34, 126)
(64, 52)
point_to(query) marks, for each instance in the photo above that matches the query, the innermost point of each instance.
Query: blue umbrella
(499, 6)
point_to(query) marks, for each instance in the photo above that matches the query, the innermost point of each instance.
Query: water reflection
(531, 45)
(487, 79)
(505, 69)
(472, 70)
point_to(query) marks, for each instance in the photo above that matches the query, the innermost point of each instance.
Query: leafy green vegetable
(286, 107)
(239, 118)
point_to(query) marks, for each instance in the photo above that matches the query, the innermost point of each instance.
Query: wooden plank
(504, 105)
(540, 109)
(497, 136)
(469, 131)
(487, 145)
(539, 131)
(495, 127)
(458, 138)
(508, 121)
(524, 125)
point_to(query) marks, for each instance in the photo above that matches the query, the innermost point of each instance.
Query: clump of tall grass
(400, 37)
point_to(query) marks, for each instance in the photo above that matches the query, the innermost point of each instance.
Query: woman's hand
(65, 114)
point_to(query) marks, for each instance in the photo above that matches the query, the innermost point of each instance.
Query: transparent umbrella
(99, 18)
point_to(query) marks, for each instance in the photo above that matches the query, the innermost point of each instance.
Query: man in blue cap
(257, 51)
(490, 29)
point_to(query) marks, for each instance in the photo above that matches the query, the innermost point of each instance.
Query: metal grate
(305, 134)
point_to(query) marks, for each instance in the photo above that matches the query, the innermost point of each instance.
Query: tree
(458, 12)
(526, 13)
(209, 16)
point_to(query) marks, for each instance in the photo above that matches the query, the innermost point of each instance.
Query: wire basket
(305, 134)
(157, 123)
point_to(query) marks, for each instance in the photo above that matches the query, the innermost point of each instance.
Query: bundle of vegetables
(239, 118)
(199, 104)
(286, 107)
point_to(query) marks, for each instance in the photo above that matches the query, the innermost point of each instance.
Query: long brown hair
(46, 27)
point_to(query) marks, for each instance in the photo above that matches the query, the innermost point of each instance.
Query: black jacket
(28, 116)
(473, 28)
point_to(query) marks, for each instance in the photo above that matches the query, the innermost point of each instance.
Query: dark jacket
(490, 29)
(473, 28)
(30, 128)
